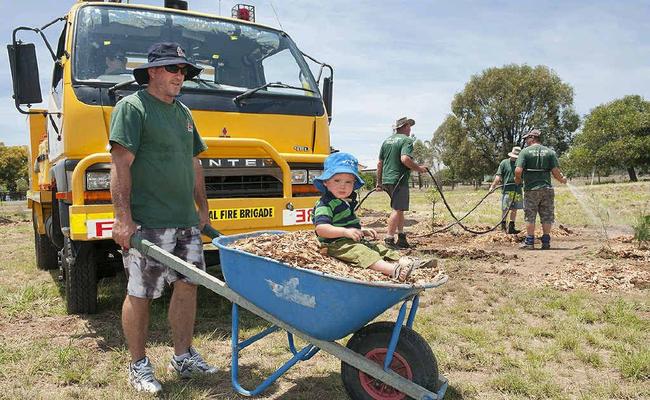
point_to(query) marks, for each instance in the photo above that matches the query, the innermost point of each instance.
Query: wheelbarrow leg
(398, 328)
(306, 353)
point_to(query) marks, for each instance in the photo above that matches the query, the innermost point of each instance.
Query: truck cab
(256, 104)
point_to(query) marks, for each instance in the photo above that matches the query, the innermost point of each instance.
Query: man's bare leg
(530, 229)
(393, 220)
(400, 220)
(135, 324)
(182, 313)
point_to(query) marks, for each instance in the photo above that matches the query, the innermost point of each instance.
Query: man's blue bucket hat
(339, 163)
(161, 54)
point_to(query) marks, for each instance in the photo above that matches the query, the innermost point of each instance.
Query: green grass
(618, 204)
(493, 339)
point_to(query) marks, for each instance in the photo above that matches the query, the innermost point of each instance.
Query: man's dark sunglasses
(172, 69)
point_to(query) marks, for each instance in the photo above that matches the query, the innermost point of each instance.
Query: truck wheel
(79, 264)
(413, 359)
(46, 253)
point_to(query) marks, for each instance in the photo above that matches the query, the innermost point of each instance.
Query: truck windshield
(111, 41)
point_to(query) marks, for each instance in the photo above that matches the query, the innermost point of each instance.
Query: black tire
(46, 253)
(79, 263)
(412, 359)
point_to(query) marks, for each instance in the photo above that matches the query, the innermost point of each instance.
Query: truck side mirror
(24, 74)
(328, 86)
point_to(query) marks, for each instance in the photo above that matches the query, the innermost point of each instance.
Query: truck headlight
(314, 173)
(98, 180)
(298, 176)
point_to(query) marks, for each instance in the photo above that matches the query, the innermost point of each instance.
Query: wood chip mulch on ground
(625, 252)
(302, 249)
(466, 253)
(601, 277)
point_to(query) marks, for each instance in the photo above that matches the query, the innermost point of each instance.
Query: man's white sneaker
(191, 365)
(141, 376)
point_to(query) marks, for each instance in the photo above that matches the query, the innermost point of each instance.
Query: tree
(369, 179)
(497, 107)
(615, 135)
(422, 154)
(460, 156)
(13, 165)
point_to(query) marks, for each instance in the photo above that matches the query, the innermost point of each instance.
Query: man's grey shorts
(146, 276)
(540, 201)
(399, 196)
(512, 201)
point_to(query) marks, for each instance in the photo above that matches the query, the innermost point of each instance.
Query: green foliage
(433, 196)
(615, 135)
(369, 178)
(13, 165)
(642, 229)
(22, 185)
(423, 152)
(496, 108)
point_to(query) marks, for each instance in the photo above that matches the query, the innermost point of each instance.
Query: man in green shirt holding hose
(511, 197)
(393, 172)
(535, 165)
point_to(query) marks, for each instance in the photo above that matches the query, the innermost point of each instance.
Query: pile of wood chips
(614, 252)
(302, 249)
(601, 277)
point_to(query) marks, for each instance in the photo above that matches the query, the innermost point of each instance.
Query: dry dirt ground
(580, 258)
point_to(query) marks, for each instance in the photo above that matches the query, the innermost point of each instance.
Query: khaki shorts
(399, 196)
(360, 254)
(146, 276)
(542, 202)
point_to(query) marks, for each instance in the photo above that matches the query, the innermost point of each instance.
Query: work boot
(529, 243)
(511, 229)
(503, 226)
(401, 241)
(546, 242)
(390, 243)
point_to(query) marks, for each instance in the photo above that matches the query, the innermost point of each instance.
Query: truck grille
(225, 187)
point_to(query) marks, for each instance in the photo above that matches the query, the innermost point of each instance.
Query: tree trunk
(632, 173)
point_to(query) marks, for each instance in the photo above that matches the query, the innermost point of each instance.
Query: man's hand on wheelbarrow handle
(208, 230)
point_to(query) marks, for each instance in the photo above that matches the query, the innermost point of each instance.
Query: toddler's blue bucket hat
(338, 163)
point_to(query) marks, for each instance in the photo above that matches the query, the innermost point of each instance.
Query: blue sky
(409, 58)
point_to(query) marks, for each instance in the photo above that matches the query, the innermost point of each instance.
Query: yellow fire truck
(256, 104)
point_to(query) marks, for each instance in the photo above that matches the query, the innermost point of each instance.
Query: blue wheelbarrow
(382, 360)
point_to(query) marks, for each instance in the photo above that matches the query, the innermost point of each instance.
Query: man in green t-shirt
(156, 184)
(393, 172)
(511, 195)
(535, 165)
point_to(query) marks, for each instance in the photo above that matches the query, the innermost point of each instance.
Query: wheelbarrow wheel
(413, 359)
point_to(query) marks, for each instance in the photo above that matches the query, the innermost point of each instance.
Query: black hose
(390, 195)
(457, 221)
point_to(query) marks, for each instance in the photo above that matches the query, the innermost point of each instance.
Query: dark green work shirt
(506, 171)
(390, 155)
(537, 162)
(164, 140)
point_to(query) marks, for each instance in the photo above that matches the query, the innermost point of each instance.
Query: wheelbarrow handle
(208, 230)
